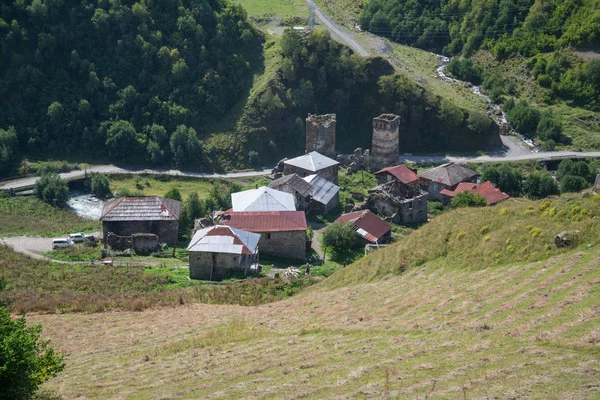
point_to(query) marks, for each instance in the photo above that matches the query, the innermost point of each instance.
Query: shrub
(339, 236)
(26, 361)
(52, 189)
(539, 185)
(506, 179)
(571, 183)
(524, 118)
(484, 229)
(173, 194)
(100, 185)
(468, 199)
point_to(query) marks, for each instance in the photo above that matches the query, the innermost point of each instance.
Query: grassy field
(41, 286)
(28, 216)
(150, 185)
(281, 8)
(528, 330)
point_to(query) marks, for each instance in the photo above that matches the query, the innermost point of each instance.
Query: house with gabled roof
(487, 190)
(262, 199)
(296, 186)
(127, 216)
(325, 195)
(368, 226)
(446, 176)
(219, 251)
(400, 173)
(312, 163)
(282, 233)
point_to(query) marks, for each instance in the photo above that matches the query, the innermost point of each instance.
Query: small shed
(217, 251)
(312, 163)
(325, 194)
(368, 226)
(126, 216)
(262, 199)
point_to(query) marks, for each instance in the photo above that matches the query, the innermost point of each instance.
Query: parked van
(61, 243)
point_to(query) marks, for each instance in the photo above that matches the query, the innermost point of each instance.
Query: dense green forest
(540, 31)
(318, 75)
(122, 80)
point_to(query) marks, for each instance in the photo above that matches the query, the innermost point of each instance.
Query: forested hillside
(539, 30)
(318, 75)
(123, 80)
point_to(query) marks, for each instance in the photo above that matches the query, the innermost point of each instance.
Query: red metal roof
(486, 189)
(375, 227)
(267, 221)
(400, 172)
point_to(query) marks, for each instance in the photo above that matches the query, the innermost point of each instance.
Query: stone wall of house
(216, 266)
(291, 244)
(320, 133)
(414, 210)
(385, 145)
(145, 243)
(329, 173)
(321, 208)
(165, 230)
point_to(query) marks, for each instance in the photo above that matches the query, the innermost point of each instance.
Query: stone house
(487, 190)
(262, 199)
(283, 233)
(446, 176)
(217, 251)
(399, 173)
(311, 164)
(325, 195)
(127, 216)
(296, 186)
(402, 204)
(368, 226)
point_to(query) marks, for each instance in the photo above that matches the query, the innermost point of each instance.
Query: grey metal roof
(449, 174)
(295, 182)
(323, 190)
(224, 239)
(262, 199)
(312, 161)
(152, 208)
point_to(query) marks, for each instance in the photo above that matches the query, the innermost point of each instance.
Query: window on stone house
(410, 204)
(267, 236)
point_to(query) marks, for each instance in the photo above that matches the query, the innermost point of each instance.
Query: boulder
(566, 238)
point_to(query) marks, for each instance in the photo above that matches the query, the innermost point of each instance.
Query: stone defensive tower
(320, 134)
(386, 136)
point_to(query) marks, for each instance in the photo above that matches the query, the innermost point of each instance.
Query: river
(85, 204)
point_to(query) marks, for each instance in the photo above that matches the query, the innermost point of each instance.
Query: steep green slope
(517, 230)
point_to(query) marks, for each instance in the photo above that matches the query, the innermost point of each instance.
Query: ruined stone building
(400, 203)
(127, 216)
(386, 138)
(446, 176)
(311, 164)
(218, 251)
(320, 133)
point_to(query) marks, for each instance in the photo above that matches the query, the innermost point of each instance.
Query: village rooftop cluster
(271, 220)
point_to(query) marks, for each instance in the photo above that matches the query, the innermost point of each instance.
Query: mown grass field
(281, 8)
(28, 216)
(150, 185)
(528, 330)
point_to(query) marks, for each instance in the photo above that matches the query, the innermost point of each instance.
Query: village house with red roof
(368, 226)
(487, 190)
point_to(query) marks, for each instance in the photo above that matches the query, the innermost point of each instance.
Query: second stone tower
(386, 138)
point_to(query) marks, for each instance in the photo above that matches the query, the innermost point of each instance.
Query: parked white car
(77, 237)
(61, 243)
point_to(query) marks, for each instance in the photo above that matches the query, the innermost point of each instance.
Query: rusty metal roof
(151, 208)
(400, 172)
(490, 193)
(367, 224)
(274, 221)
